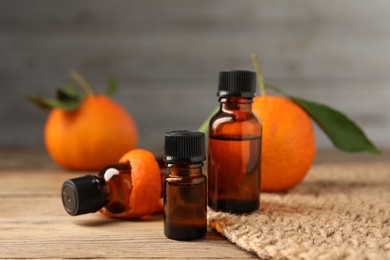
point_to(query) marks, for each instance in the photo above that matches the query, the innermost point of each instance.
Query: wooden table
(33, 223)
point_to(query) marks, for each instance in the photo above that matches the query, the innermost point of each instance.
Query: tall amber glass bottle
(185, 186)
(234, 155)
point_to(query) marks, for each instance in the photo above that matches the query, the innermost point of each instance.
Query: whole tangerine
(90, 137)
(288, 144)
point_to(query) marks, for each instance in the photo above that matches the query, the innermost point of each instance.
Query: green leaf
(71, 89)
(112, 85)
(68, 99)
(342, 131)
(68, 92)
(48, 104)
(205, 125)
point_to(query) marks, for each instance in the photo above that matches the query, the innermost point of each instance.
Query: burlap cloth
(340, 211)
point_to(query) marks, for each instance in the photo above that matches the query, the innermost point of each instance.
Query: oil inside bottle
(234, 173)
(185, 207)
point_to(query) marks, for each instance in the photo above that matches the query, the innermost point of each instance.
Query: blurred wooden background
(167, 54)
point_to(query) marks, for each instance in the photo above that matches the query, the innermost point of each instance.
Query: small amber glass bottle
(109, 191)
(234, 146)
(185, 187)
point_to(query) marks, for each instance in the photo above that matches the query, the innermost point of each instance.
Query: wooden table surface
(33, 223)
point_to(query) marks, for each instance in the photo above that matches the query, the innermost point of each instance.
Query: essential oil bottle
(235, 146)
(185, 187)
(110, 190)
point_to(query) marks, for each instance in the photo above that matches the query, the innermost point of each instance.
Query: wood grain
(51, 234)
(34, 224)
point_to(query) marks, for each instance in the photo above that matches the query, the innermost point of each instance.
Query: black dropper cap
(237, 83)
(83, 195)
(184, 146)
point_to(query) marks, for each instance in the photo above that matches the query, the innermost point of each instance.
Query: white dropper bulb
(110, 172)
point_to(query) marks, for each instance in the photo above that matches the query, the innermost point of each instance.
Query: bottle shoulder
(223, 116)
(185, 180)
(236, 124)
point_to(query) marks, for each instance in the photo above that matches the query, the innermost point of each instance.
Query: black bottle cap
(237, 83)
(184, 146)
(83, 195)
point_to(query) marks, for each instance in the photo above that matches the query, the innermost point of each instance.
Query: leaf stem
(205, 125)
(259, 73)
(277, 90)
(84, 84)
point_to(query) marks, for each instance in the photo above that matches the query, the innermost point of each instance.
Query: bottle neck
(184, 169)
(101, 187)
(117, 186)
(121, 167)
(236, 103)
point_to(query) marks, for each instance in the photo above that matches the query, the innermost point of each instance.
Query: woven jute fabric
(340, 211)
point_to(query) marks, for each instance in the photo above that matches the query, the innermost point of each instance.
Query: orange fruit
(146, 185)
(92, 136)
(288, 145)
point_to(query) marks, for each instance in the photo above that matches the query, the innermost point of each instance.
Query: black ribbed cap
(83, 195)
(184, 146)
(237, 83)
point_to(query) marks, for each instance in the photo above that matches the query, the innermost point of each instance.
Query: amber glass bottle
(109, 191)
(234, 146)
(185, 187)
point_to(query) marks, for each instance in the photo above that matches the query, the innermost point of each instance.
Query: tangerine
(146, 185)
(92, 136)
(288, 146)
